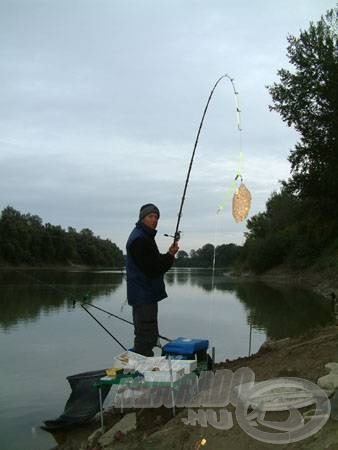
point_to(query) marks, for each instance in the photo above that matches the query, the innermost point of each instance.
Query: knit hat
(148, 209)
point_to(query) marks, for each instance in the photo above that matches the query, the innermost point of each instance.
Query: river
(45, 336)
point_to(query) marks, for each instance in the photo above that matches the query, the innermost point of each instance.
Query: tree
(307, 98)
(25, 240)
(181, 254)
(227, 254)
(206, 255)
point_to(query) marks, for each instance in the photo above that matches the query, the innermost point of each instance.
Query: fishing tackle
(83, 305)
(176, 235)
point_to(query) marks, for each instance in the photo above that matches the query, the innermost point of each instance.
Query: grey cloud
(100, 104)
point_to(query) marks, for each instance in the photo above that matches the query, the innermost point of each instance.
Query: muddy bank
(156, 429)
(324, 283)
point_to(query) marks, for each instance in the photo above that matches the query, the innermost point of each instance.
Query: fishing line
(211, 309)
(176, 235)
(241, 200)
(232, 186)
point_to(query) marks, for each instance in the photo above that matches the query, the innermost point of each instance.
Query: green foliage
(24, 239)
(307, 99)
(288, 232)
(300, 223)
(226, 256)
(181, 255)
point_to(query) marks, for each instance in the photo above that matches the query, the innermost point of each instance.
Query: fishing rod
(177, 233)
(110, 334)
(120, 318)
(74, 300)
(83, 304)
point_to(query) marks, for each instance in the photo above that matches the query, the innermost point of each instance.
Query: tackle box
(185, 347)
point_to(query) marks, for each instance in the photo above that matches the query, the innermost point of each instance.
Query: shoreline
(303, 357)
(324, 283)
(61, 268)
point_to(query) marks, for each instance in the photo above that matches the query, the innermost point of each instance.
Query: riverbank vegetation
(299, 226)
(225, 256)
(26, 240)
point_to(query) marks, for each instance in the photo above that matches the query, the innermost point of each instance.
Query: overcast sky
(100, 101)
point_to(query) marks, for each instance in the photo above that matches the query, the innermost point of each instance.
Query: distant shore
(324, 283)
(59, 267)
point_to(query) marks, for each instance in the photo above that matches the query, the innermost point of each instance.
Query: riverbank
(323, 282)
(304, 357)
(63, 268)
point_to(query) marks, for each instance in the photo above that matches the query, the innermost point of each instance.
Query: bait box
(188, 365)
(163, 375)
(127, 360)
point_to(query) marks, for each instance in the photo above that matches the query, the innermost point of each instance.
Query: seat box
(185, 346)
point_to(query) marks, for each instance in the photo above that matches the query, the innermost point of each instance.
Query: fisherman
(145, 285)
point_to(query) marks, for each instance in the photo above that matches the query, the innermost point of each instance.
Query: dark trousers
(145, 328)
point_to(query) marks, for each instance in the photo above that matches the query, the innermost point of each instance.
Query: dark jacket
(145, 267)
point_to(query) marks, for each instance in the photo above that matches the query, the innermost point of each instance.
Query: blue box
(185, 346)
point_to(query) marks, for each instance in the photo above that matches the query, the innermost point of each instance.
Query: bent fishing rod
(177, 233)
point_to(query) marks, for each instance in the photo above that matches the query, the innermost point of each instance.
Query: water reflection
(24, 295)
(201, 278)
(289, 311)
(42, 342)
(279, 311)
(170, 277)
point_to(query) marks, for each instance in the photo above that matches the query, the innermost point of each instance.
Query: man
(145, 285)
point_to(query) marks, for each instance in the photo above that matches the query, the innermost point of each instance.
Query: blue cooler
(185, 348)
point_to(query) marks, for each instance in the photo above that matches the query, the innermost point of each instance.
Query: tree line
(225, 255)
(26, 240)
(299, 226)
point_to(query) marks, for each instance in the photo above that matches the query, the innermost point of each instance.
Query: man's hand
(173, 249)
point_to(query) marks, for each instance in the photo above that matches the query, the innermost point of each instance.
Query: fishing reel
(176, 237)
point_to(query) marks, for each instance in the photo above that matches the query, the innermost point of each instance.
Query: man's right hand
(173, 249)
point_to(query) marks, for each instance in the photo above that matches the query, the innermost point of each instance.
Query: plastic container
(127, 360)
(149, 363)
(188, 365)
(163, 375)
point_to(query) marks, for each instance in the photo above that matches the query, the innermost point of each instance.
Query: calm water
(44, 338)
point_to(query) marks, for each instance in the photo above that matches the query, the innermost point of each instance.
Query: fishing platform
(141, 380)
